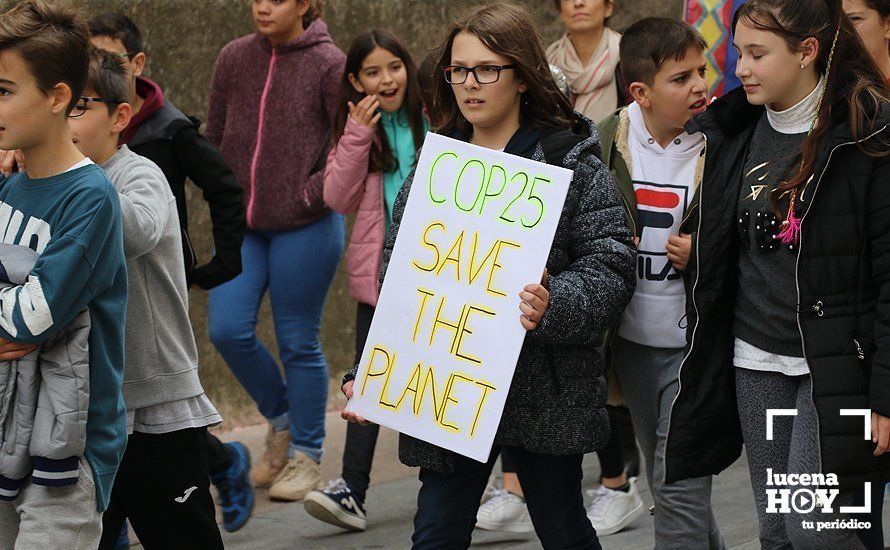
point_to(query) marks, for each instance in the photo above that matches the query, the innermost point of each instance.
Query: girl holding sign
(380, 127)
(494, 89)
(790, 299)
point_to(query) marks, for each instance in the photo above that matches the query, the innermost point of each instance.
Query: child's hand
(14, 350)
(365, 113)
(535, 301)
(678, 250)
(349, 415)
(880, 433)
(12, 161)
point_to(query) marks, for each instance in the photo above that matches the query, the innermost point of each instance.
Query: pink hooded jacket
(349, 188)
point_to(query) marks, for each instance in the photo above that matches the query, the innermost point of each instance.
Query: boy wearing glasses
(64, 212)
(161, 133)
(163, 483)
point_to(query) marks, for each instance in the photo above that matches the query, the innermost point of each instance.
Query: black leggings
(358, 454)
(611, 457)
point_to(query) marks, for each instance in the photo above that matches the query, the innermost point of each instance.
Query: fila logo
(660, 208)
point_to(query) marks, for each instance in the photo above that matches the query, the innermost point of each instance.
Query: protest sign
(445, 339)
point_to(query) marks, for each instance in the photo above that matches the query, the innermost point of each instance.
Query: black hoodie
(172, 140)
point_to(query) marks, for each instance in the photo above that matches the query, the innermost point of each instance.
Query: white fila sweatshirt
(664, 183)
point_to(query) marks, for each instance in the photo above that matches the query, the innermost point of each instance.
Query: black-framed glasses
(484, 74)
(81, 106)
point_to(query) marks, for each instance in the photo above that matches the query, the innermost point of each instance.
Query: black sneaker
(338, 505)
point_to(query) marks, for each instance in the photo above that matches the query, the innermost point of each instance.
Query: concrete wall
(183, 38)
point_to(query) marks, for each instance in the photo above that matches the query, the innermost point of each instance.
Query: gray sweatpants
(649, 381)
(793, 450)
(44, 518)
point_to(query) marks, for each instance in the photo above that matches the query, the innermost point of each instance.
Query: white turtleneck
(797, 119)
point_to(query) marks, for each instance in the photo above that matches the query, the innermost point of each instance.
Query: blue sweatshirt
(73, 222)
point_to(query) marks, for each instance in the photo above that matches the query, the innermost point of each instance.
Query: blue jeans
(447, 503)
(297, 267)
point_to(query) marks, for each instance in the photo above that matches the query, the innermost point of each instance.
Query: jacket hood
(163, 124)
(561, 147)
(566, 148)
(154, 101)
(316, 34)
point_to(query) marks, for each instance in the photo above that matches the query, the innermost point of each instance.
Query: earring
(803, 65)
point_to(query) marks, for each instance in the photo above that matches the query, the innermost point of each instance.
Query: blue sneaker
(235, 490)
(123, 539)
(338, 505)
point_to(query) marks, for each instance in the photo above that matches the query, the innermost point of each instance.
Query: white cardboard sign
(445, 339)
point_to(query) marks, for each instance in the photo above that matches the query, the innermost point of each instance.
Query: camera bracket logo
(804, 493)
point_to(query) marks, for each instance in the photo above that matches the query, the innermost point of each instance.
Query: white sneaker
(504, 512)
(611, 511)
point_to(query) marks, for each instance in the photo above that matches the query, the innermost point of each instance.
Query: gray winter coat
(44, 398)
(557, 400)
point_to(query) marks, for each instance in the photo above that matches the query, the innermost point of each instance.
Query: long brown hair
(508, 30)
(855, 88)
(381, 158)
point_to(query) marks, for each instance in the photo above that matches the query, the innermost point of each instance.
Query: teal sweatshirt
(401, 141)
(73, 222)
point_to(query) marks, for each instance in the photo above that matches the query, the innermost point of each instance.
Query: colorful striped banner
(713, 18)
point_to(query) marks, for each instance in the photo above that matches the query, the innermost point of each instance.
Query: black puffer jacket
(843, 276)
(557, 400)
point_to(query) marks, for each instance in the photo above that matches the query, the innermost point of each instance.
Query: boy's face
(678, 92)
(585, 15)
(134, 66)
(96, 131)
(26, 113)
